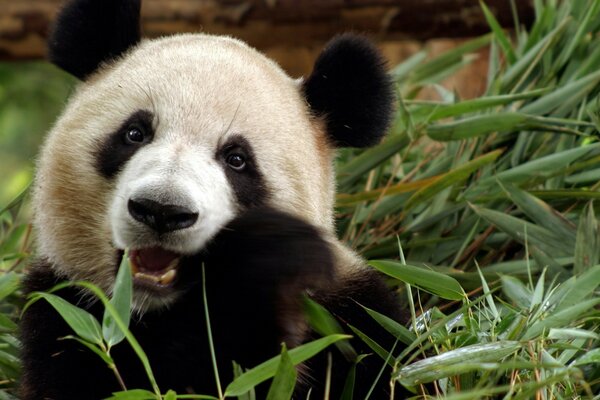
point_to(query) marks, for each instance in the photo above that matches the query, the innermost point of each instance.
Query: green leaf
(6, 324)
(393, 327)
(449, 179)
(130, 338)
(524, 231)
(447, 60)
(541, 213)
(355, 169)
(348, 391)
(521, 69)
(121, 300)
(140, 394)
(430, 281)
(538, 292)
(9, 283)
(401, 71)
(560, 319)
(284, 381)
(542, 167)
(266, 370)
(213, 356)
(516, 291)
(587, 247)
(479, 125)
(433, 111)
(135, 394)
(498, 33)
(94, 348)
(325, 324)
(373, 345)
(82, 322)
(579, 287)
(576, 39)
(448, 363)
(556, 98)
(590, 357)
(572, 333)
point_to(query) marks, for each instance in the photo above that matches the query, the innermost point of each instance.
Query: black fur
(89, 32)
(351, 89)
(114, 152)
(257, 270)
(248, 184)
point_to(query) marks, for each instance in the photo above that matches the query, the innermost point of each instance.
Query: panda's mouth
(154, 266)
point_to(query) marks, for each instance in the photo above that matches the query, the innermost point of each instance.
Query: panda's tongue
(153, 260)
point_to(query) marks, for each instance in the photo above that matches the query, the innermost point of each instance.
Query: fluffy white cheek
(188, 180)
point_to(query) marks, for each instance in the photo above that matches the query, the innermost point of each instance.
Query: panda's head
(165, 141)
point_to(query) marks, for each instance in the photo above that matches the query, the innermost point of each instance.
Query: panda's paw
(272, 246)
(257, 271)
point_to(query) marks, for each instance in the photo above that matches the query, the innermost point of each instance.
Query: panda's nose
(161, 217)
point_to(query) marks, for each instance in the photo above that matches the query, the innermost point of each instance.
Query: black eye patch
(122, 144)
(241, 169)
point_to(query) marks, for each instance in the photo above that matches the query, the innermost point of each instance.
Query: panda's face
(159, 151)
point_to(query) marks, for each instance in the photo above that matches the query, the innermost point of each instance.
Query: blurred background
(33, 92)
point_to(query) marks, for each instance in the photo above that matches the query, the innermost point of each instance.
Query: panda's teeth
(173, 265)
(141, 275)
(168, 277)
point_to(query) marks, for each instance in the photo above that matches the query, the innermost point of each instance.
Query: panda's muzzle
(162, 218)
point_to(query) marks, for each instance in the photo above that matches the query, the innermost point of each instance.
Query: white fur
(169, 173)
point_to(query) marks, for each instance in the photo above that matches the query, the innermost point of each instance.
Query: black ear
(349, 86)
(88, 32)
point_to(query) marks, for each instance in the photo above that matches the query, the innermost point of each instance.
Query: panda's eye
(236, 161)
(134, 135)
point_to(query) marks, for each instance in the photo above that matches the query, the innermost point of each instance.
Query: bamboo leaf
(498, 33)
(579, 287)
(433, 111)
(9, 283)
(344, 200)
(266, 370)
(350, 172)
(348, 391)
(82, 322)
(573, 91)
(430, 281)
(590, 357)
(451, 178)
(481, 125)
(542, 167)
(284, 381)
(448, 363)
(561, 318)
(135, 394)
(515, 290)
(541, 213)
(121, 300)
(520, 69)
(521, 231)
(587, 247)
(373, 345)
(393, 327)
(448, 59)
(325, 324)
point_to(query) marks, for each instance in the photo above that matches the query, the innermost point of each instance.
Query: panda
(196, 150)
